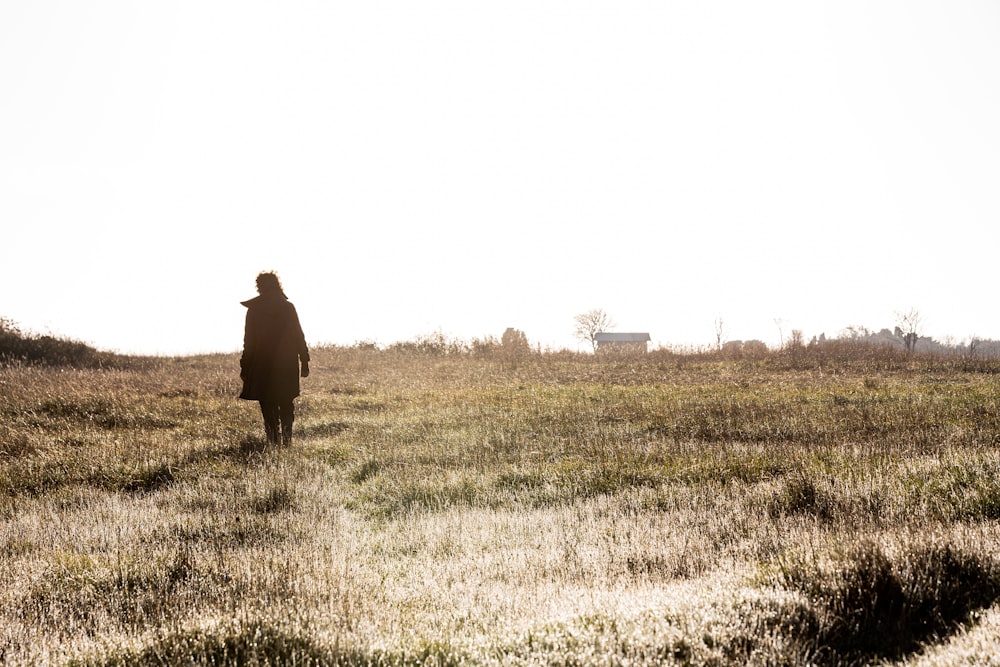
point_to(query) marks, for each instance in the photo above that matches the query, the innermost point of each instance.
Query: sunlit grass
(460, 510)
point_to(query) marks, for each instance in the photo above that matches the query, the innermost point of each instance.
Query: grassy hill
(834, 505)
(20, 347)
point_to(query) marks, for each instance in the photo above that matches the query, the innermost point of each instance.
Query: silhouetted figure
(273, 345)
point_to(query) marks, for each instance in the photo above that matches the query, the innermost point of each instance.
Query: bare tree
(855, 332)
(908, 327)
(796, 341)
(973, 344)
(589, 324)
(720, 332)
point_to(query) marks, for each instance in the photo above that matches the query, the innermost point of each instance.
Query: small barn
(621, 342)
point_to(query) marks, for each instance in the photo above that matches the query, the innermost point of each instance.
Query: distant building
(621, 342)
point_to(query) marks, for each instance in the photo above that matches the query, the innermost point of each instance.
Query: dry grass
(464, 509)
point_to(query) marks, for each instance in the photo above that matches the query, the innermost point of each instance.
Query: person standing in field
(273, 347)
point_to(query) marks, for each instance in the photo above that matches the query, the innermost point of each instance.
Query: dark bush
(20, 347)
(871, 608)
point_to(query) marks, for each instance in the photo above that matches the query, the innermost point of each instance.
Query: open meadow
(826, 506)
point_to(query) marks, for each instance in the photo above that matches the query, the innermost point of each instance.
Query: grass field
(827, 507)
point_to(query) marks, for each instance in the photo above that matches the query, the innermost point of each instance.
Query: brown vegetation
(453, 504)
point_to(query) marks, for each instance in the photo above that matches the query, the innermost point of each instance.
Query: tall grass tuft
(263, 643)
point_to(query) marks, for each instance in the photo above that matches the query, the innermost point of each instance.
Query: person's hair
(267, 281)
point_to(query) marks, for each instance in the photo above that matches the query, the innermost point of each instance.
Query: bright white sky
(408, 167)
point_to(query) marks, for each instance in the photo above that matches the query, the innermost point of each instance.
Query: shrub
(869, 607)
(17, 346)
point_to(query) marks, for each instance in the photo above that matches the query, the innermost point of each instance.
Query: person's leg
(269, 410)
(286, 410)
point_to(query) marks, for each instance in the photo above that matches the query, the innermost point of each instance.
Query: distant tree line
(20, 347)
(895, 340)
(901, 338)
(512, 343)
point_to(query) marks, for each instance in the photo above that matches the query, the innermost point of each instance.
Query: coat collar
(268, 301)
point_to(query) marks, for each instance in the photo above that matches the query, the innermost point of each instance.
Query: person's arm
(300, 342)
(246, 359)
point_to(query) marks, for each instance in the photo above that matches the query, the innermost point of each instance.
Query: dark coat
(273, 344)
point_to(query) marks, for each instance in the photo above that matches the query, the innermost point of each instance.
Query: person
(273, 347)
